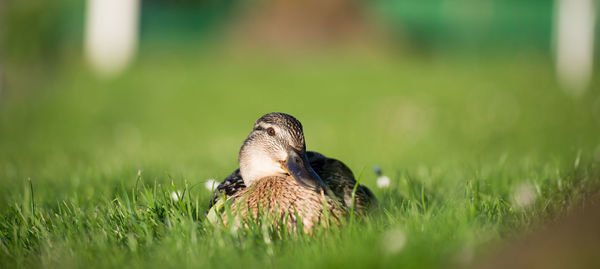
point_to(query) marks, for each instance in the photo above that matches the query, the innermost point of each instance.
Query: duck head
(276, 147)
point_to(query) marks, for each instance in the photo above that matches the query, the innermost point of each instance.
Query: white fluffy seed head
(176, 195)
(393, 241)
(524, 195)
(383, 182)
(211, 184)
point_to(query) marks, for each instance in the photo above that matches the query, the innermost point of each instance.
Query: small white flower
(139, 172)
(211, 184)
(383, 182)
(393, 241)
(524, 195)
(175, 195)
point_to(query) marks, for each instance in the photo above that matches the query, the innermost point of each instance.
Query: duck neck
(256, 163)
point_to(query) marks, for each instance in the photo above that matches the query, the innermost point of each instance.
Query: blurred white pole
(574, 37)
(111, 34)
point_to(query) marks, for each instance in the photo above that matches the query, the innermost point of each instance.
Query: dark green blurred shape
(485, 25)
(37, 29)
(182, 21)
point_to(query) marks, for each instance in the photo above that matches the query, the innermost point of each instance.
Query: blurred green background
(442, 81)
(448, 91)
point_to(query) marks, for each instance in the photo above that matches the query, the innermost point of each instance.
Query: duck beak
(298, 166)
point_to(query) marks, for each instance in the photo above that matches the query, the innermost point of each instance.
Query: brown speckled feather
(335, 174)
(283, 198)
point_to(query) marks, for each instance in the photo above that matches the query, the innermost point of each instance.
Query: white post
(574, 37)
(111, 34)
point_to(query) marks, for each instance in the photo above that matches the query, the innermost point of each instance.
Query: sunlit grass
(476, 152)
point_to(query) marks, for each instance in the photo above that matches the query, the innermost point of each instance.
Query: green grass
(459, 139)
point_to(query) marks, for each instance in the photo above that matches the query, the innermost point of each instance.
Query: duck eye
(270, 131)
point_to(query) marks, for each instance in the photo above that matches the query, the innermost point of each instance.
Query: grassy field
(479, 152)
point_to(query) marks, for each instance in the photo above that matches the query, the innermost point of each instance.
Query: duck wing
(340, 179)
(334, 173)
(230, 186)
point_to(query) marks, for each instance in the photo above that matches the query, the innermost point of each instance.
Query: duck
(297, 188)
